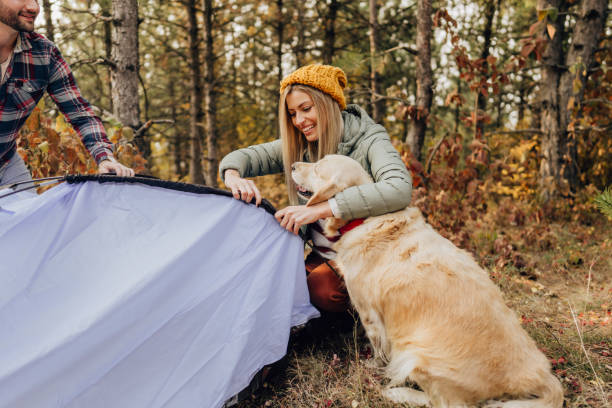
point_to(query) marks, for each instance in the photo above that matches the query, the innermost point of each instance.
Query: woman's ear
(326, 192)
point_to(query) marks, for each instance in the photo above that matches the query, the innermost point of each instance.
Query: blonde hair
(295, 145)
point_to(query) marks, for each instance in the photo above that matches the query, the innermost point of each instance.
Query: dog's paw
(406, 395)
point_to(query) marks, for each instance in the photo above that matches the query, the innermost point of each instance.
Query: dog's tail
(549, 395)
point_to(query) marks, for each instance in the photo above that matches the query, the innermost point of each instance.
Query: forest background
(500, 108)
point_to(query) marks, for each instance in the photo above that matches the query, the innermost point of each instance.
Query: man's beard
(11, 19)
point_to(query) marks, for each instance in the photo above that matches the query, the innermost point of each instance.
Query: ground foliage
(476, 185)
(51, 147)
(552, 261)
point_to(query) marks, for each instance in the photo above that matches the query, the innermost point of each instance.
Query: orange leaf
(542, 14)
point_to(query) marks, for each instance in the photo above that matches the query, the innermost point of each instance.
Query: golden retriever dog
(432, 314)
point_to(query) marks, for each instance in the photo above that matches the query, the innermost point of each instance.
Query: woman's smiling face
(303, 114)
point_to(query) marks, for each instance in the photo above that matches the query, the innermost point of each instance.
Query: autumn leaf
(44, 147)
(551, 30)
(127, 133)
(533, 29)
(542, 14)
(527, 49)
(60, 124)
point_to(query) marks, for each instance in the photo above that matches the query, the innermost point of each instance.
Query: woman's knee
(327, 291)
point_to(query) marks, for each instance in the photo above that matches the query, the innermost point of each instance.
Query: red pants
(327, 290)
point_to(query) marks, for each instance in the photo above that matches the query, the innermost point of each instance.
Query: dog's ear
(324, 193)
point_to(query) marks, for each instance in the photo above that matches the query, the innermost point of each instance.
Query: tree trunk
(522, 102)
(424, 94)
(196, 114)
(378, 104)
(210, 98)
(589, 28)
(108, 51)
(563, 80)
(552, 61)
(280, 27)
(329, 42)
(457, 111)
(49, 28)
(489, 14)
(299, 49)
(235, 115)
(177, 142)
(124, 75)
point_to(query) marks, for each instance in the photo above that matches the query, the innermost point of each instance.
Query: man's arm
(65, 93)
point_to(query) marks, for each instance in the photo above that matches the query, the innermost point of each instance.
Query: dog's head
(322, 180)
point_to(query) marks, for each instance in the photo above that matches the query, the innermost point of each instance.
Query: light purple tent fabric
(125, 295)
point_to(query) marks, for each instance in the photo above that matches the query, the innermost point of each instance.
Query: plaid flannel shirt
(37, 67)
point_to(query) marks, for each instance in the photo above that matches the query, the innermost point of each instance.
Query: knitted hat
(326, 78)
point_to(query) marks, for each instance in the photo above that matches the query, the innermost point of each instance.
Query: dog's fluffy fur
(432, 314)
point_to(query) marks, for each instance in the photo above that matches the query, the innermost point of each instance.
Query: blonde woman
(315, 121)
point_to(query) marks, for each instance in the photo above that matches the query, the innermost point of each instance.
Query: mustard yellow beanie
(326, 78)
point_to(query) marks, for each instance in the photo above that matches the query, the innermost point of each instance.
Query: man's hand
(293, 217)
(242, 189)
(113, 166)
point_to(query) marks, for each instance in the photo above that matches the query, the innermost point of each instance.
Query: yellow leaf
(33, 122)
(113, 137)
(551, 30)
(542, 14)
(60, 124)
(127, 133)
(44, 147)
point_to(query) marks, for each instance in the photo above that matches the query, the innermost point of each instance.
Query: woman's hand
(293, 217)
(242, 189)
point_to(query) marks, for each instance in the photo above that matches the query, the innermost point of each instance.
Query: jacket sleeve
(64, 91)
(256, 160)
(391, 190)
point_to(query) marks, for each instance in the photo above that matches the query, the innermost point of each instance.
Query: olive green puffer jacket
(364, 141)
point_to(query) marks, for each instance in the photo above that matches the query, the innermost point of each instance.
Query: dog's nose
(293, 166)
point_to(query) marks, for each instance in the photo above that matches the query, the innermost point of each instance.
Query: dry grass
(560, 287)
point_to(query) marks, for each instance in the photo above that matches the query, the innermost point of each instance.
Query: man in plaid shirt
(30, 65)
